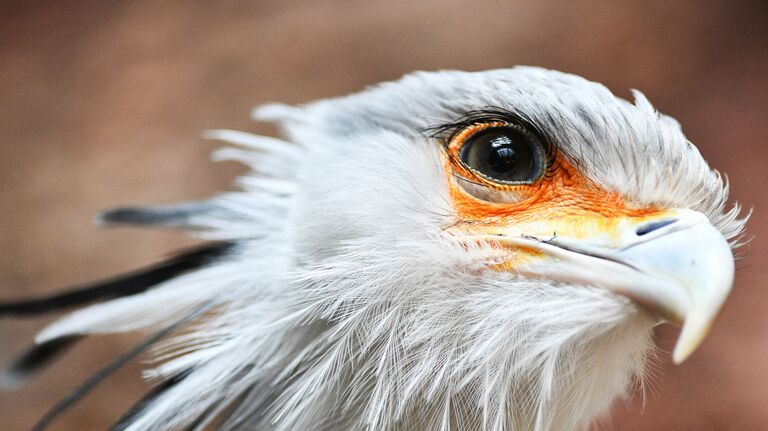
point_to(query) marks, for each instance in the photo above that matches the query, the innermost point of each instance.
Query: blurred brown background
(102, 104)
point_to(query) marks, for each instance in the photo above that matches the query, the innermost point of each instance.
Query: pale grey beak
(679, 268)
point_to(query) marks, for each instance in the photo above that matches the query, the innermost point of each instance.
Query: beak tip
(680, 355)
(692, 335)
(684, 348)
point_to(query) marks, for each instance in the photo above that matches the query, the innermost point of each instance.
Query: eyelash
(447, 133)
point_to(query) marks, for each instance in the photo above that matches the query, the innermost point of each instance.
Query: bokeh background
(102, 103)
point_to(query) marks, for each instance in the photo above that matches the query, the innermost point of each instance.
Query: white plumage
(348, 301)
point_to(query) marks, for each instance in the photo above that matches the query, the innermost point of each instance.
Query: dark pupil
(503, 154)
(502, 157)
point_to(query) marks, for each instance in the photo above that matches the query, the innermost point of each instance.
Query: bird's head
(469, 250)
(516, 229)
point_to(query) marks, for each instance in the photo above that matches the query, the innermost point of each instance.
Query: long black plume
(178, 216)
(89, 384)
(128, 284)
(34, 359)
(137, 408)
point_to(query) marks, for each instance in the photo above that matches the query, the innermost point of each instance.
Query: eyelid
(489, 193)
(459, 138)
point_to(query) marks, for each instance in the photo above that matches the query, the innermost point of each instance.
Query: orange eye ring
(509, 159)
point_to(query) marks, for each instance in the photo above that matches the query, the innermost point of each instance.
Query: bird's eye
(505, 155)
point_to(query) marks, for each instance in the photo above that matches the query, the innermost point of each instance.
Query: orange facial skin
(561, 203)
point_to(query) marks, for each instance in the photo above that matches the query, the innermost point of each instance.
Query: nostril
(650, 227)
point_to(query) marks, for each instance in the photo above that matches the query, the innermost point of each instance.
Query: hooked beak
(677, 266)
